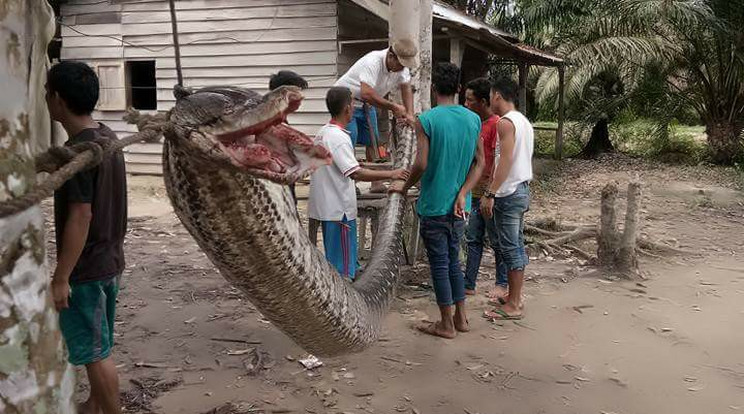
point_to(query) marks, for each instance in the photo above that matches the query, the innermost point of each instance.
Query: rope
(73, 159)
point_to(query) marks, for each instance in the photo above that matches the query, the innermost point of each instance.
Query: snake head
(250, 131)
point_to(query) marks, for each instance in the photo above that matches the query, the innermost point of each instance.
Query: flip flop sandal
(500, 315)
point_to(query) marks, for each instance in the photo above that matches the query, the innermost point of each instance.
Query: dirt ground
(187, 342)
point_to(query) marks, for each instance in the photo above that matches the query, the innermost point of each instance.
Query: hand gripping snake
(227, 156)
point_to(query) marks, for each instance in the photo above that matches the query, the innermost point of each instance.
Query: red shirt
(490, 137)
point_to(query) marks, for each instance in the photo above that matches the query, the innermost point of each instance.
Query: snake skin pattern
(249, 228)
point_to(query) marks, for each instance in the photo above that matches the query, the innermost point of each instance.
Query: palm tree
(696, 44)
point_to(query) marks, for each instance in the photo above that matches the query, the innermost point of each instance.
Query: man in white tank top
(508, 195)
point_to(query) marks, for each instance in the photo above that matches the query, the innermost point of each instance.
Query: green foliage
(664, 59)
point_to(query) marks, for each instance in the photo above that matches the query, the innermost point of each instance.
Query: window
(141, 85)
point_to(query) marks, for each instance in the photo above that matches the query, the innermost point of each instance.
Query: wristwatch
(489, 194)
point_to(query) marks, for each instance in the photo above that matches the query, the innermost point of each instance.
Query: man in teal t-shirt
(449, 163)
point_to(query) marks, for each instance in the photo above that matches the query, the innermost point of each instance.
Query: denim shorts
(509, 223)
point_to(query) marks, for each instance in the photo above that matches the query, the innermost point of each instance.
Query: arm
(406, 92)
(501, 171)
(73, 240)
(369, 95)
(365, 174)
(506, 159)
(474, 175)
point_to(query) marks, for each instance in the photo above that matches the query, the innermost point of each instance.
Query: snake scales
(245, 221)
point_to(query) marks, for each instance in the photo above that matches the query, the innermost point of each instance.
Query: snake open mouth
(268, 147)
(254, 134)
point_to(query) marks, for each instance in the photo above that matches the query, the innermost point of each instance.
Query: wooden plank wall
(234, 42)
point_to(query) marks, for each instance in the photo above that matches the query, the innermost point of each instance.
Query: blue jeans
(478, 227)
(359, 128)
(508, 214)
(441, 236)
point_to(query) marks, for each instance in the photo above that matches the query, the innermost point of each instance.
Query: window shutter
(113, 94)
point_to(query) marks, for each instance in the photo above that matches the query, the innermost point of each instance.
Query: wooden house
(242, 42)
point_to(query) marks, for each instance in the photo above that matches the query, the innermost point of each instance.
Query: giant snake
(227, 156)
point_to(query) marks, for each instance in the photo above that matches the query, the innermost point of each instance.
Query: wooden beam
(523, 87)
(561, 112)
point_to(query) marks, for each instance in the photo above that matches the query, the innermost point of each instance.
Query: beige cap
(407, 52)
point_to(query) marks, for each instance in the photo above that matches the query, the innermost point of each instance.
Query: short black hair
(481, 88)
(506, 87)
(338, 98)
(446, 78)
(286, 77)
(77, 85)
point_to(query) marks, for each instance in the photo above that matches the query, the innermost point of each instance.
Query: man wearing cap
(370, 79)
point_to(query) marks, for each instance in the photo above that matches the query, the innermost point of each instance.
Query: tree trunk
(627, 260)
(724, 139)
(599, 142)
(617, 252)
(608, 237)
(34, 377)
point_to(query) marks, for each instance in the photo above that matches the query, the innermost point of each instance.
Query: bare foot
(461, 323)
(436, 329)
(498, 293)
(470, 292)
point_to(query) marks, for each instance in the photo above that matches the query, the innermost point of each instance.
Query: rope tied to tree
(64, 162)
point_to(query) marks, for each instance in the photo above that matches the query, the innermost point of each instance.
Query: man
(508, 196)
(332, 198)
(282, 78)
(449, 162)
(477, 99)
(370, 79)
(90, 215)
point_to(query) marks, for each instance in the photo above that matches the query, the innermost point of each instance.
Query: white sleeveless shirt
(524, 144)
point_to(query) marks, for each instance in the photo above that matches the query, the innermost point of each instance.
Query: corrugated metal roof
(502, 43)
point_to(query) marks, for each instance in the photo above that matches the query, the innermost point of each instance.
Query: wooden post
(425, 54)
(523, 88)
(607, 238)
(627, 260)
(561, 112)
(176, 45)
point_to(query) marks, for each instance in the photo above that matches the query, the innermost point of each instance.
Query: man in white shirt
(508, 196)
(332, 198)
(370, 79)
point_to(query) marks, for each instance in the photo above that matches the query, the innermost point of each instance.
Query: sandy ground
(673, 343)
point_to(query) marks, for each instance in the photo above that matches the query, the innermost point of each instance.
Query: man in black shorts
(90, 217)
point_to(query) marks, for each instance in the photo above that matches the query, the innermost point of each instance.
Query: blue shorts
(340, 244)
(359, 128)
(508, 215)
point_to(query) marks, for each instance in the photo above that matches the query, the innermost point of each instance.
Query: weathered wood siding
(233, 42)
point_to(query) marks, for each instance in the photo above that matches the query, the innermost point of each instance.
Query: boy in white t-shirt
(332, 198)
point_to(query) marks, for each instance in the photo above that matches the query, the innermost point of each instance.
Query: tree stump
(617, 251)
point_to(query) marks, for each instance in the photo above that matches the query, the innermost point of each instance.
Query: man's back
(524, 142)
(453, 138)
(105, 188)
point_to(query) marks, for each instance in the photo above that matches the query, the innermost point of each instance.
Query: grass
(684, 144)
